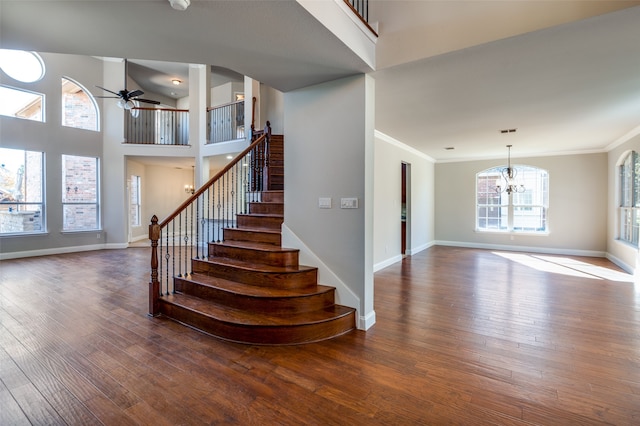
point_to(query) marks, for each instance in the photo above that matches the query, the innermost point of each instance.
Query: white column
(199, 98)
(251, 90)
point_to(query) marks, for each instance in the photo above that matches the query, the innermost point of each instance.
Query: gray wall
(329, 153)
(577, 212)
(54, 140)
(389, 155)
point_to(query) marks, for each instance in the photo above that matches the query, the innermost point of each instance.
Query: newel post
(154, 284)
(266, 151)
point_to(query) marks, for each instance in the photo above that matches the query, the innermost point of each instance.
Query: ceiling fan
(127, 99)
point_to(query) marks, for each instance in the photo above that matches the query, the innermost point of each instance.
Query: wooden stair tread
(252, 319)
(251, 266)
(253, 245)
(254, 229)
(252, 290)
(249, 289)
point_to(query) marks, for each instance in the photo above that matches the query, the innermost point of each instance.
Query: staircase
(250, 289)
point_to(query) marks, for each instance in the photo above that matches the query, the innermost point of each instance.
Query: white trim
(47, 252)
(526, 155)
(365, 323)
(386, 138)
(418, 249)
(620, 263)
(410, 252)
(358, 22)
(139, 238)
(624, 138)
(115, 246)
(506, 247)
(344, 295)
(388, 262)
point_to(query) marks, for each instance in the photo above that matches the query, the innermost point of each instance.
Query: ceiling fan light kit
(180, 4)
(127, 100)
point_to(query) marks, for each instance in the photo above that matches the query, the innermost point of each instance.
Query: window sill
(524, 233)
(626, 243)
(24, 234)
(81, 231)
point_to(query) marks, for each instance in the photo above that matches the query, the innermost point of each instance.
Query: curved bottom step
(259, 329)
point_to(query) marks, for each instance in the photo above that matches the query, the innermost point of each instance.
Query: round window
(20, 65)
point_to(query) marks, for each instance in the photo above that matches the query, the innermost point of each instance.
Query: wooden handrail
(224, 105)
(364, 21)
(204, 187)
(160, 109)
(191, 216)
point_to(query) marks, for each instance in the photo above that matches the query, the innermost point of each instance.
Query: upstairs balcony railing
(361, 9)
(166, 126)
(157, 126)
(225, 122)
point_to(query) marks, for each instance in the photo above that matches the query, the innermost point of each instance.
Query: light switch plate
(348, 203)
(324, 203)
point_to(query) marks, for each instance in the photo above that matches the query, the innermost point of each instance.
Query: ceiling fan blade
(135, 93)
(147, 101)
(107, 90)
(107, 97)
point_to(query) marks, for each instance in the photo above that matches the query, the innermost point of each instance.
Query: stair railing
(225, 122)
(184, 235)
(157, 126)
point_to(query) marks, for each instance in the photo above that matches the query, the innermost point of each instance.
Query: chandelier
(509, 175)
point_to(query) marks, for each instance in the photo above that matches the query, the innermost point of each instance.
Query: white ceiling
(570, 88)
(452, 73)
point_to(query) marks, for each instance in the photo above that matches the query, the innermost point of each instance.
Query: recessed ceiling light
(229, 157)
(176, 82)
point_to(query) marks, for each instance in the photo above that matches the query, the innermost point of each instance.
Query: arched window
(524, 210)
(25, 67)
(79, 109)
(629, 176)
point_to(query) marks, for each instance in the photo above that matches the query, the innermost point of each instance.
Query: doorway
(405, 209)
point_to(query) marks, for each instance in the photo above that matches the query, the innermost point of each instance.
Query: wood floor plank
(462, 336)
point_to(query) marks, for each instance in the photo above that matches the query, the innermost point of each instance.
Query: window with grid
(80, 193)
(135, 200)
(21, 192)
(629, 175)
(520, 211)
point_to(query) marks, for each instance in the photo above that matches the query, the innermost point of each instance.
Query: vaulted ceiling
(565, 74)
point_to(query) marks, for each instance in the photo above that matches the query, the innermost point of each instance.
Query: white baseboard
(47, 252)
(627, 268)
(365, 322)
(410, 252)
(388, 262)
(418, 249)
(506, 247)
(61, 250)
(139, 238)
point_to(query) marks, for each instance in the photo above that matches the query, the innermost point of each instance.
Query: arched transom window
(79, 109)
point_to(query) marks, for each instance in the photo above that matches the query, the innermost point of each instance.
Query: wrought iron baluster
(219, 215)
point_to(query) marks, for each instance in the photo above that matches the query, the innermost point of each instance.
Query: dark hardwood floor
(462, 337)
